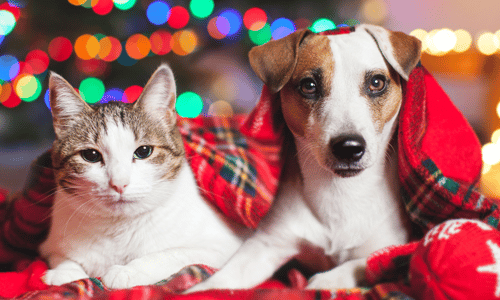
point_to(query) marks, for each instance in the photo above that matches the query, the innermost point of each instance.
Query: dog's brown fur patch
(319, 59)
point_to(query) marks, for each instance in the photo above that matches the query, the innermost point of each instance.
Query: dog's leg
(348, 275)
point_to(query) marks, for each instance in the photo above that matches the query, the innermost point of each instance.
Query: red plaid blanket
(238, 170)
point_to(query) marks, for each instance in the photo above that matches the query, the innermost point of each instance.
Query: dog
(339, 196)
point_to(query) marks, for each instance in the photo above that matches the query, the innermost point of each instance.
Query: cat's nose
(118, 187)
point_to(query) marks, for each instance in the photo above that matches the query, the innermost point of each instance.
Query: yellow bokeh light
(464, 40)
(420, 34)
(188, 41)
(374, 11)
(429, 41)
(491, 153)
(486, 169)
(487, 43)
(444, 40)
(495, 136)
(220, 108)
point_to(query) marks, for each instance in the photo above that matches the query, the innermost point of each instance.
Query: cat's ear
(65, 103)
(158, 96)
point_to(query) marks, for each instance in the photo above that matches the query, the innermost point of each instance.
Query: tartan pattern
(430, 197)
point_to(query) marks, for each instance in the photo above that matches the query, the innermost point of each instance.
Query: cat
(127, 207)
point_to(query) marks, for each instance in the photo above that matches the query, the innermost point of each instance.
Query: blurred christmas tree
(108, 49)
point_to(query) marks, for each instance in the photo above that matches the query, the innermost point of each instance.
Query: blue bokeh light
(46, 98)
(113, 94)
(234, 19)
(158, 12)
(9, 67)
(281, 28)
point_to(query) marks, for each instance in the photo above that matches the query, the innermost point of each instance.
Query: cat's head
(116, 158)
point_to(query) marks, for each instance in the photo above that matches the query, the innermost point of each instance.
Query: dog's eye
(143, 152)
(91, 155)
(377, 84)
(308, 87)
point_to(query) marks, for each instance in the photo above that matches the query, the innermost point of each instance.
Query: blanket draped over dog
(237, 165)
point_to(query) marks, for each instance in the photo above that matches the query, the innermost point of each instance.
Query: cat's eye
(91, 155)
(143, 152)
(378, 84)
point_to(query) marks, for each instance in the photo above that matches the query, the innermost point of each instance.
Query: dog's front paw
(122, 277)
(63, 276)
(346, 276)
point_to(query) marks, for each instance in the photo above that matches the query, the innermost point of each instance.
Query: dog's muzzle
(348, 150)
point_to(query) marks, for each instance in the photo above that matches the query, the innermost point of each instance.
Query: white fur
(140, 233)
(348, 218)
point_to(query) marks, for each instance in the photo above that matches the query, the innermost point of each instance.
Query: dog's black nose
(348, 148)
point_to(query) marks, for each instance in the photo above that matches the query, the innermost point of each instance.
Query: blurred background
(107, 49)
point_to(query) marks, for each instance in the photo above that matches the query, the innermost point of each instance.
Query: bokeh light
(103, 7)
(91, 89)
(491, 153)
(281, 28)
(213, 31)
(374, 11)
(201, 9)
(261, 36)
(27, 87)
(60, 48)
(220, 108)
(6, 91)
(189, 105)
(229, 17)
(7, 22)
(420, 34)
(86, 46)
(184, 42)
(464, 41)
(38, 61)
(9, 98)
(255, 19)
(132, 93)
(90, 3)
(46, 99)
(10, 7)
(488, 43)
(160, 42)
(158, 12)
(495, 136)
(179, 17)
(110, 48)
(444, 40)
(323, 24)
(138, 46)
(91, 67)
(124, 59)
(114, 94)
(124, 4)
(9, 67)
(77, 2)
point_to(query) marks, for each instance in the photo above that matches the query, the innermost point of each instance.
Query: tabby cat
(127, 208)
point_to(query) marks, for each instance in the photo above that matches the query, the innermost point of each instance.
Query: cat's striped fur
(127, 207)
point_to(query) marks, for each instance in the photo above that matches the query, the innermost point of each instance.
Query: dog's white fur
(346, 217)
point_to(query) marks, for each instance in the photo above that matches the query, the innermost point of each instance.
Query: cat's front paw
(63, 276)
(122, 277)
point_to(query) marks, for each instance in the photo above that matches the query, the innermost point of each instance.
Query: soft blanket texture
(238, 169)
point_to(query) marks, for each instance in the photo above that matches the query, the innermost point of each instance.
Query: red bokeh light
(38, 60)
(60, 48)
(132, 93)
(160, 42)
(179, 17)
(254, 19)
(103, 7)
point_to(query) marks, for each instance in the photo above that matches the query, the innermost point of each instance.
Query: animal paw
(63, 276)
(122, 277)
(326, 281)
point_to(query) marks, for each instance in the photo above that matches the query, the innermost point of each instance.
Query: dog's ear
(402, 51)
(275, 61)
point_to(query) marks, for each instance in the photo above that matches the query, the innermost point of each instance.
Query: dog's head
(340, 94)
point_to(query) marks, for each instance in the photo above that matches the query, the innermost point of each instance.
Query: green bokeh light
(201, 8)
(91, 89)
(124, 4)
(7, 22)
(261, 36)
(189, 105)
(322, 25)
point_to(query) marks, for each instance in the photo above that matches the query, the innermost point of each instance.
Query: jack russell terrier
(339, 196)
